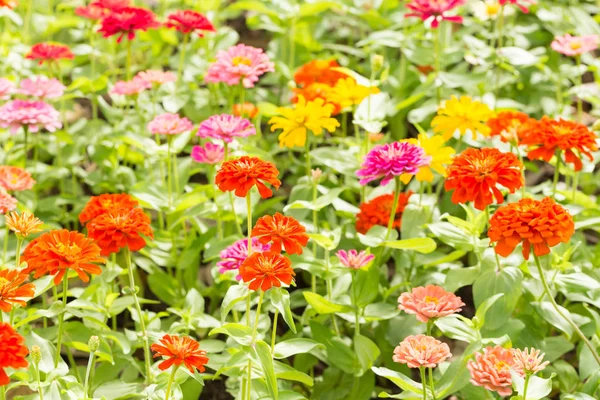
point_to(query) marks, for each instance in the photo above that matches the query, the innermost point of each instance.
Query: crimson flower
(188, 21)
(125, 21)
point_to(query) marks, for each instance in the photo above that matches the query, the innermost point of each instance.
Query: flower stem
(128, 62)
(6, 234)
(18, 255)
(25, 144)
(274, 332)
(556, 174)
(255, 328)
(93, 72)
(171, 379)
(249, 222)
(219, 222)
(356, 308)
(525, 386)
(431, 382)
(579, 102)
(394, 207)
(169, 175)
(436, 49)
(424, 382)
(186, 38)
(307, 155)
(36, 368)
(61, 319)
(88, 372)
(313, 278)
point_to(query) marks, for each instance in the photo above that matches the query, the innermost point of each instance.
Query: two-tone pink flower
(169, 124)
(233, 256)
(574, 45)
(33, 115)
(226, 128)
(239, 63)
(354, 259)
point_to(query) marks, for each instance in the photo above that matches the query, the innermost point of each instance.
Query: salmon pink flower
(7, 88)
(430, 302)
(574, 45)
(49, 52)
(188, 21)
(7, 202)
(169, 124)
(239, 63)
(15, 178)
(156, 76)
(91, 12)
(42, 87)
(210, 153)
(180, 350)
(392, 160)
(421, 351)
(226, 127)
(130, 88)
(354, 259)
(126, 21)
(29, 114)
(12, 352)
(233, 256)
(111, 5)
(491, 370)
(434, 11)
(527, 362)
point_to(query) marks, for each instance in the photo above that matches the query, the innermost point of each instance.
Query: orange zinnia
(283, 231)
(542, 224)
(13, 289)
(377, 212)
(265, 270)
(180, 350)
(12, 352)
(547, 136)
(118, 229)
(15, 178)
(23, 224)
(104, 203)
(316, 91)
(506, 124)
(247, 110)
(55, 252)
(240, 174)
(318, 71)
(476, 173)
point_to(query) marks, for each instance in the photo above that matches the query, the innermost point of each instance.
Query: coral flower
(265, 270)
(226, 127)
(421, 351)
(15, 178)
(111, 5)
(491, 370)
(121, 228)
(42, 87)
(54, 252)
(284, 232)
(169, 124)
(462, 115)
(354, 259)
(506, 124)
(392, 160)
(547, 137)
(527, 362)
(188, 21)
(7, 88)
(98, 205)
(239, 63)
(316, 91)
(241, 174)
(233, 256)
(12, 352)
(541, 223)
(440, 157)
(180, 350)
(156, 76)
(430, 302)
(574, 45)
(210, 153)
(294, 122)
(91, 12)
(377, 212)
(13, 289)
(126, 21)
(130, 88)
(10, 4)
(247, 110)
(30, 114)
(7, 202)
(23, 224)
(49, 52)
(348, 93)
(475, 174)
(318, 71)
(435, 11)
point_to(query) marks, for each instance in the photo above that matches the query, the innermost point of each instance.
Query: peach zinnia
(265, 270)
(284, 232)
(430, 302)
(528, 361)
(15, 178)
(178, 350)
(98, 205)
(241, 174)
(12, 352)
(13, 289)
(118, 229)
(23, 224)
(421, 351)
(491, 370)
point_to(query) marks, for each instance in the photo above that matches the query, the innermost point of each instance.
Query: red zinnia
(121, 228)
(377, 212)
(265, 270)
(180, 350)
(13, 289)
(125, 21)
(283, 231)
(12, 352)
(242, 173)
(187, 21)
(111, 5)
(49, 52)
(98, 205)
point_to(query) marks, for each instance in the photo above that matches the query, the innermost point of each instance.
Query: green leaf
(421, 245)
(537, 389)
(458, 328)
(549, 313)
(291, 347)
(322, 240)
(266, 362)
(234, 295)
(280, 298)
(366, 350)
(399, 379)
(365, 287)
(451, 235)
(339, 354)
(324, 306)
(483, 308)
(508, 281)
(284, 371)
(238, 332)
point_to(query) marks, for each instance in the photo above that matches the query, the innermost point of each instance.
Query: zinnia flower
(435, 11)
(475, 174)
(430, 302)
(348, 93)
(49, 52)
(421, 351)
(462, 115)
(377, 212)
(169, 124)
(15, 178)
(226, 127)
(239, 63)
(42, 87)
(210, 153)
(187, 21)
(233, 256)
(23, 224)
(120, 228)
(319, 71)
(180, 350)
(57, 251)
(506, 124)
(98, 205)
(10, 4)
(487, 9)
(12, 352)
(390, 160)
(491, 370)
(91, 12)
(130, 88)
(517, 3)
(316, 91)
(284, 232)
(156, 76)
(13, 289)
(354, 259)
(543, 224)
(294, 122)
(111, 5)
(440, 157)
(241, 174)
(31, 114)
(7, 202)
(126, 21)
(7, 88)
(247, 110)
(265, 270)
(574, 45)
(527, 362)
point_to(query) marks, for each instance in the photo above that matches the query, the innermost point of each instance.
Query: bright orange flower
(247, 110)
(548, 136)
(543, 224)
(240, 174)
(318, 71)
(23, 224)
(267, 269)
(377, 212)
(98, 205)
(121, 228)
(54, 252)
(12, 352)
(8, 3)
(506, 124)
(283, 231)
(13, 289)
(180, 350)
(316, 91)
(15, 178)
(476, 173)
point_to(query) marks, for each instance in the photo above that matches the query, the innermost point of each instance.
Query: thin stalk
(61, 319)
(171, 380)
(249, 222)
(186, 38)
(274, 332)
(436, 50)
(345, 124)
(28, 12)
(313, 278)
(18, 255)
(556, 174)
(169, 169)
(25, 145)
(579, 101)
(255, 328)
(424, 382)
(307, 156)
(212, 174)
(487, 215)
(6, 234)
(356, 308)
(431, 382)
(88, 372)
(128, 61)
(394, 206)
(36, 369)
(525, 386)
(575, 184)
(93, 71)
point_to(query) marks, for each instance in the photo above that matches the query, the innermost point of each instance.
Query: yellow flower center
(429, 299)
(3, 281)
(492, 9)
(575, 45)
(69, 252)
(501, 365)
(241, 60)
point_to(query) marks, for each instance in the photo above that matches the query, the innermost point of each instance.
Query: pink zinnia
(156, 76)
(169, 124)
(239, 63)
(516, 3)
(15, 179)
(354, 259)
(434, 10)
(430, 302)
(574, 45)
(42, 87)
(7, 202)
(491, 370)
(91, 12)
(528, 361)
(390, 160)
(7, 87)
(111, 5)
(226, 127)
(130, 88)
(31, 114)
(421, 351)
(209, 154)
(233, 256)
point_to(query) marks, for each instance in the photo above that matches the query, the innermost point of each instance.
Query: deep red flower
(12, 351)
(125, 21)
(187, 21)
(49, 52)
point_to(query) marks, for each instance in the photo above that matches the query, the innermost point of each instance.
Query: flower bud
(377, 62)
(93, 344)
(36, 354)
(316, 174)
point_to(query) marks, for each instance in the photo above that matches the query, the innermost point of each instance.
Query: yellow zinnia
(440, 157)
(464, 115)
(348, 93)
(312, 115)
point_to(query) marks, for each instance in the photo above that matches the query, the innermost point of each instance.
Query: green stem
(394, 207)
(93, 71)
(431, 382)
(313, 278)
(307, 155)
(556, 174)
(6, 234)
(88, 371)
(28, 12)
(249, 222)
(171, 380)
(186, 38)
(579, 102)
(525, 386)
(212, 174)
(61, 319)
(255, 328)
(274, 332)
(356, 308)
(18, 255)
(128, 62)
(25, 145)
(424, 382)
(438, 69)
(36, 368)
(169, 175)
(248, 304)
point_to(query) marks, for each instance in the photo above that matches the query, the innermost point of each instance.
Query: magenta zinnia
(391, 160)
(210, 153)
(435, 11)
(233, 256)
